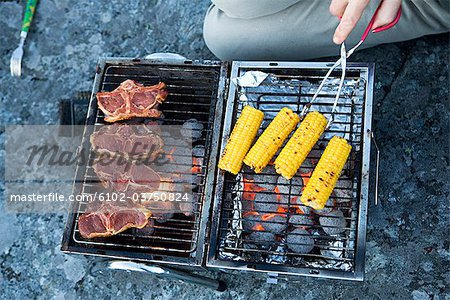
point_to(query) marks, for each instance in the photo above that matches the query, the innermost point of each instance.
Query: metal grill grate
(255, 230)
(193, 94)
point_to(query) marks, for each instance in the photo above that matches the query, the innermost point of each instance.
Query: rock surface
(407, 242)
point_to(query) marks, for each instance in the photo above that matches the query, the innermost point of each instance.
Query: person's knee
(215, 34)
(249, 9)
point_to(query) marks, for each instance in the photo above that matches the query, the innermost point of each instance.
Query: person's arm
(350, 11)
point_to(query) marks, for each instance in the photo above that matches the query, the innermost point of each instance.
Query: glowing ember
(258, 227)
(250, 213)
(268, 217)
(196, 165)
(298, 209)
(277, 191)
(170, 153)
(305, 178)
(280, 209)
(250, 190)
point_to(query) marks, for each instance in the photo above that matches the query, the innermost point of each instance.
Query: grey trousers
(303, 29)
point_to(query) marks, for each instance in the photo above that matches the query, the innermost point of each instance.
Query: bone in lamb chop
(132, 99)
(109, 220)
(131, 141)
(123, 176)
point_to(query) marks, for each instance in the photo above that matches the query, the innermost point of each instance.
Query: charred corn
(241, 138)
(271, 139)
(326, 174)
(300, 144)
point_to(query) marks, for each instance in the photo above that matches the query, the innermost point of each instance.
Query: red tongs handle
(381, 28)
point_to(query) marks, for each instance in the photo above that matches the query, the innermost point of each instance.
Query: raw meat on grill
(130, 141)
(132, 99)
(125, 176)
(110, 219)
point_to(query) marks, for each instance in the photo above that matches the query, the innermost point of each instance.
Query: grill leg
(165, 272)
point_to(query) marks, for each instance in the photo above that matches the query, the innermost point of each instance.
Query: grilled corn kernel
(300, 144)
(241, 138)
(271, 139)
(326, 174)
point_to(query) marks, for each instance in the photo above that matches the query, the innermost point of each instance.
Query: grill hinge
(272, 278)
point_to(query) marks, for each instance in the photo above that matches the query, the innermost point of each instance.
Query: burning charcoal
(149, 229)
(329, 207)
(251, 222)
(198, 153)
(265, 203)
(192, 129)
(192, 180)
(296, 206)
(159, 207)
(177, 158)
(307, 167)
(343, 190)
(296, 184)
(274, 224)
(333, 223)
(300, 241)
(267, 179)
(189, 207)
(301, 220)
(247, 206)
(264, 239)
(162, 217)
(303, 210)
(334, 249)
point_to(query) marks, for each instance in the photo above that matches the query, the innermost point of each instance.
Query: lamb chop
(108, 220)
(132, 99)
(126, 176)
(130, 141)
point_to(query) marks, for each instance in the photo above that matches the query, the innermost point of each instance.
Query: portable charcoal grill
(215, 235)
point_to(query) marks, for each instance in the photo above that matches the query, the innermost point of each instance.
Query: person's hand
(350, 11)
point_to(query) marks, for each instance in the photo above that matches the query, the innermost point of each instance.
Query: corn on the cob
(241, 138)
(326, 173)
(300, 144)
(271, 139)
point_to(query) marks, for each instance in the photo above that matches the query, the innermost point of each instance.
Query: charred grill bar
(259, 224)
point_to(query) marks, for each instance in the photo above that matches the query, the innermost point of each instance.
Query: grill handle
(165, 272)
(166, 57)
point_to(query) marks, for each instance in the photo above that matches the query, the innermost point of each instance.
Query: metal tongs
(343, 62)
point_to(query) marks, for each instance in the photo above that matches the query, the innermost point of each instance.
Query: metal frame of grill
(357, 169)
(196, 91)
(207, 232)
